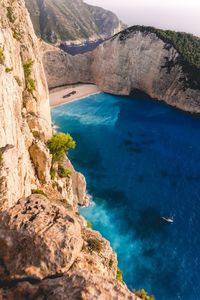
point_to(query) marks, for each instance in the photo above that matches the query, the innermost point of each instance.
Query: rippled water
(141, 161)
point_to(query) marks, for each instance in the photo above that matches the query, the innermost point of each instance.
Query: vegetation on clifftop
(59, 144)
(186, 44)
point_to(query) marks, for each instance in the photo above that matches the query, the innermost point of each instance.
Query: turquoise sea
(141, 161)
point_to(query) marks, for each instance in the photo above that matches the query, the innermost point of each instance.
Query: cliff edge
(47, 250)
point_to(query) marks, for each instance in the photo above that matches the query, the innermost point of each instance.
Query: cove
(141, 161)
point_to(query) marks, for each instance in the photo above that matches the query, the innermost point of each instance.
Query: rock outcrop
(47, 250)
(71, 20)
(137, 58)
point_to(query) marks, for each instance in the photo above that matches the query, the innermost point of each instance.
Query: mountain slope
(64, 20)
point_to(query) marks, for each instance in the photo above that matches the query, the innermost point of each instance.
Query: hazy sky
(180, 15)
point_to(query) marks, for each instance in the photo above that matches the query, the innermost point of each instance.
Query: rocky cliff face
(133, 59)
(22, 111)
(46, 248)
(71, 20)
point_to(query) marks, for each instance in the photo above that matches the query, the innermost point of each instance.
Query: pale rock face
(62, 68)
(34, 225)
(121, 65)
(19, 44)
(141, 61)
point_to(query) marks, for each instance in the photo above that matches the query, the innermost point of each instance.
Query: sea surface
(141, 159)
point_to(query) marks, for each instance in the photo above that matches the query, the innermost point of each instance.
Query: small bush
(8, 70)
(1, 56)
(89, 224)
(59, 144)
(119, 275)
(30, 83)
(17, 35)
(62, 172)
(94, 245)
(38, 191)
(10, 14)
(52, 173)
(28, 67)
(143, 295)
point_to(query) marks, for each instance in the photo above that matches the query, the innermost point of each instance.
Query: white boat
(169, 220)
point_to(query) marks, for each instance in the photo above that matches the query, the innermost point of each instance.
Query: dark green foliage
(63, 172)
(119, 275)
(38, 191)
(52, 173)
(1, 56)
(10, 14)
(8, 70)
(143, 295)
(186, 44)
(28, 67)
(94, 245)
(30, 83)
(59, 144)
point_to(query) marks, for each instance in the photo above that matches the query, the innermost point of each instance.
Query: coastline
(70, 93)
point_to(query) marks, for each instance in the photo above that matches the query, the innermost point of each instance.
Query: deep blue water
(141, 161)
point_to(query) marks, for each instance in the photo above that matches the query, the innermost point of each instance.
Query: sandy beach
(70, 93)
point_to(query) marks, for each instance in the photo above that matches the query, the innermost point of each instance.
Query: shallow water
(141, 161)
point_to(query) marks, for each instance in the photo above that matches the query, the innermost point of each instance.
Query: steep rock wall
(131, 60)
(21, 112)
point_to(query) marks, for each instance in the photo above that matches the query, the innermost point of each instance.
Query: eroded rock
(38, 239)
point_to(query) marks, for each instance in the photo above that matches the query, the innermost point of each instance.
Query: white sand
(82, 91)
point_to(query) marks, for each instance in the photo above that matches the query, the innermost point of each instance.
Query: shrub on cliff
(143, 295)
(30, 83)
(63, 172)
(119, 275)
(59, 144)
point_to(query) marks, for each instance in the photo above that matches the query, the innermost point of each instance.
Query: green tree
(59, 144)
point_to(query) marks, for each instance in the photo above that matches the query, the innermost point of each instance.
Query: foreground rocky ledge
(46, 250)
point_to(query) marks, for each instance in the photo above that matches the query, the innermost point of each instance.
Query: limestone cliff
(23, 110)
(47, 250)
(66, 20)
(137, 58)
